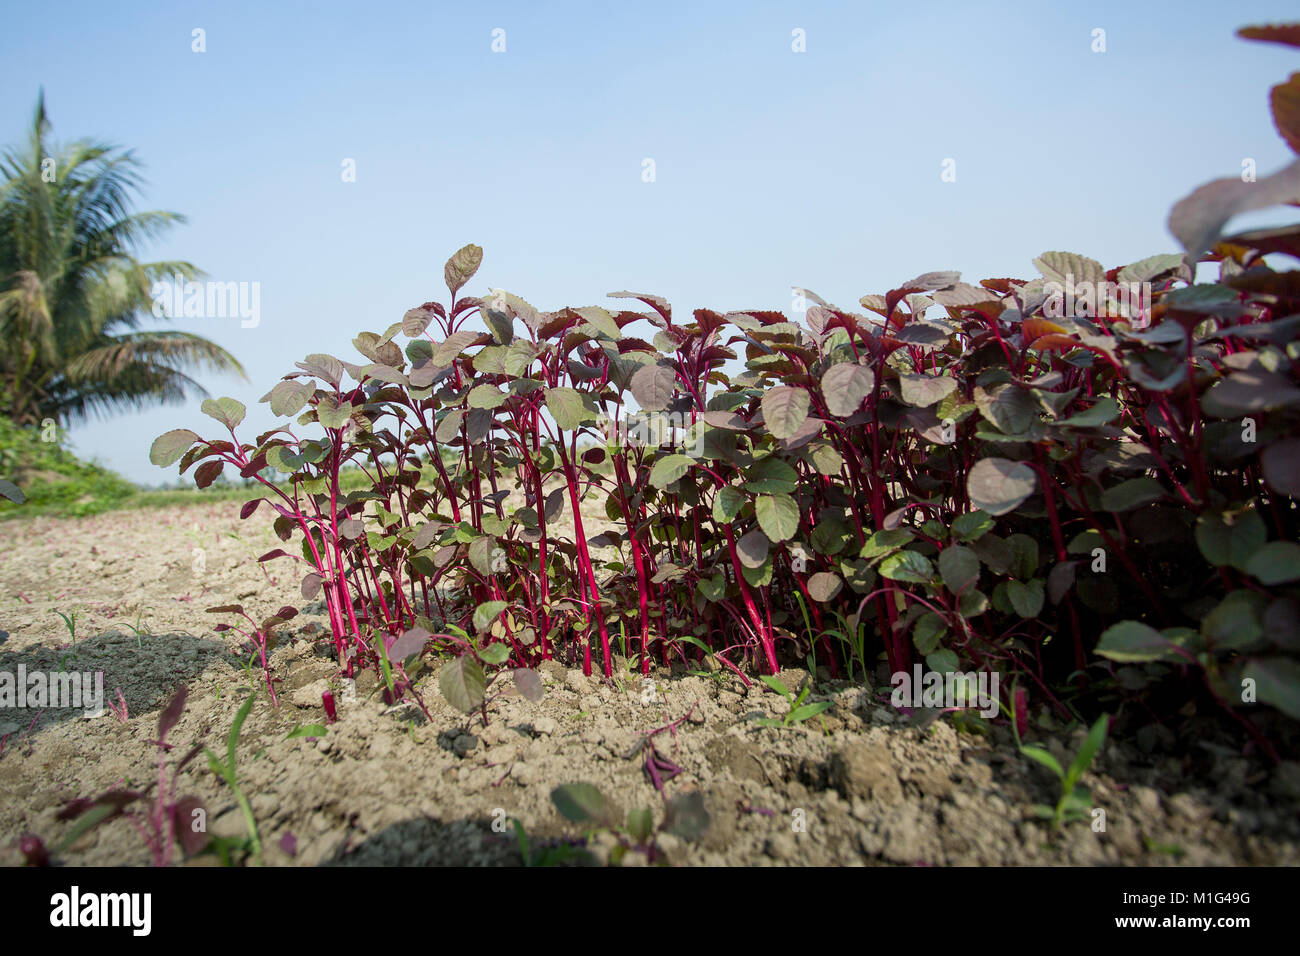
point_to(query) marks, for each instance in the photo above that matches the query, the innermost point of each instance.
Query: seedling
(685, 816)
(261, 636)
(1074, 803)
(4, 741)
(717, 675)
(464, 681)
(799, 711)
(119, 709)
(140, 630)
(310, 731)
(170, 822)
(1169, 849)
(225, 769)
(70, 622)
(551, 854)
(659, 768)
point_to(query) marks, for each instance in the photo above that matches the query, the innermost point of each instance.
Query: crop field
(976, 571)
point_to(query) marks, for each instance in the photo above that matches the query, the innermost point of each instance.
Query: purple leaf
(172, 712)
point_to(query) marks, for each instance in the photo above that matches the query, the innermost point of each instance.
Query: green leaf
(450, 426)
(884, 542)
(1230, 539)
(1251, 390)
(640, 824)
(776, 684)
(830, 537)
(502, 326)
(1083, 759)
(490, 360)
(824, 585)
(807, 710)
(1103, 411)
(168, 447)
(289, 397)
(1237, 621)
(519, 355)
(1277, 683)
(1045, 758)
(777, 516)
(1024, 555)
(487, 396)
(463, 683)
(1027, 599)
(972, 603)
(826, 460)
(307, 730)
(331, 415)
(581, 803)
(497, 653)
(1144, 270)
(1131, 494)
(927, 633)
(1277, 562)
(1063, 267)
(943, 661)
(668, 469)
(771, 476)
(1132, 642)
(685, 815)
(601, 321)
(1012, 409)
(225, 410)
(727, 504)
(460, 268)
(451, 348)
(784, 410)
(999, 486)
(922, 391)
(971, 526)
(844, 388)
(712, 588)
(959, 567)
(907, 566)
(486, 613)
(232, 738)
(566, 407)
(481, 553)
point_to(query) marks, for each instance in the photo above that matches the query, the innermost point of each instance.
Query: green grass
(58, 484)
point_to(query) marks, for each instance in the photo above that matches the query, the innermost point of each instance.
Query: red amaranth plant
(1090, 473)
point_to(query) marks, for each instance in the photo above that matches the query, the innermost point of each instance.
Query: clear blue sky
(773, 168)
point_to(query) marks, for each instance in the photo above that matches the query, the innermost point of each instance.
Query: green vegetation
(56, 483)
(72, 292)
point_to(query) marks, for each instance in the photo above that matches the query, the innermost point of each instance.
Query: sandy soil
(863, 784)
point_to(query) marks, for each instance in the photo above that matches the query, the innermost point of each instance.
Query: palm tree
(73, 294)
